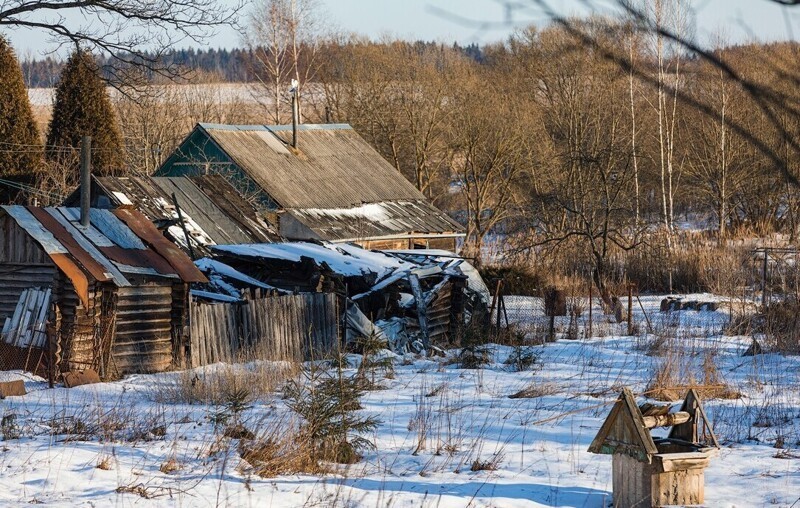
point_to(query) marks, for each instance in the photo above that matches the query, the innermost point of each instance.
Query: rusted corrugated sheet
(145, 258)
(145, 229)
(91, 265)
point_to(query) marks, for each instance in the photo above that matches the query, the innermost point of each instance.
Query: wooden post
(86, 179)
(590, 309)
(764, 280)
(630, 309)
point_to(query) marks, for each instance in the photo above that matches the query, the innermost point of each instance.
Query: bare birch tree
(285, 37)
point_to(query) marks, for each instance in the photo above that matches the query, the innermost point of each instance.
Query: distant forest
(227, 65)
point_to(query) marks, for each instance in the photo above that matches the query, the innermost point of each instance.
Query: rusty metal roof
(333, 170)
(117, 245)
(213, 212)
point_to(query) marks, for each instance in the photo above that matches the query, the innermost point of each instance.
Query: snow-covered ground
(538, 444)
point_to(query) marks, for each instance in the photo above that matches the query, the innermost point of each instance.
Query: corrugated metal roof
(333, 168)
(374, 220)
(213, 211)
(111, 249)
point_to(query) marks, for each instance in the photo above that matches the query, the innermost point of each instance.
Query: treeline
(596, 148)
(236, 65)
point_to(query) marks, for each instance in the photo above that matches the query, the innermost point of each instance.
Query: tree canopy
(20, 153)
(83, 108)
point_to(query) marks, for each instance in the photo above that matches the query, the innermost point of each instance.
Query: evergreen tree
(83, 108)
(20, 152)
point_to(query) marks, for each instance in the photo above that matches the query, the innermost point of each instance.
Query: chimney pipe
(86, 179)
(294, 118)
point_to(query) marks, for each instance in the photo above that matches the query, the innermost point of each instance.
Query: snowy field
(125, 444)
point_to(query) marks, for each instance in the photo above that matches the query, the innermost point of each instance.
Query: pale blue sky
(739, 20)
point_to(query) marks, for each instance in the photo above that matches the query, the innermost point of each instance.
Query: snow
(195, 232)
(122, 198)
(374, 212)
(214, 296)
(539, 444)
(342, 259)
(208, 265)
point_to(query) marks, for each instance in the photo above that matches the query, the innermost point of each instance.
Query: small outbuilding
(109, 293)
(651, 471)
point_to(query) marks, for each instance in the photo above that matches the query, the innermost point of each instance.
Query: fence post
(590, 308)
(630, 309)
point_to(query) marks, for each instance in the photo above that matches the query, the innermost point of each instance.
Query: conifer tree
(83, 108)
(20, 146)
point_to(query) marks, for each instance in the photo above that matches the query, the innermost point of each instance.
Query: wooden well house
(113, 289)
(650, 471)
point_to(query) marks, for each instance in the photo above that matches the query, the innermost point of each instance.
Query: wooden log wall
(79, 324)
(23, 264)
(143, 340)
(281, 328)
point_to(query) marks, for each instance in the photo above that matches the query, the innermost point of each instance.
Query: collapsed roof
(411, 294)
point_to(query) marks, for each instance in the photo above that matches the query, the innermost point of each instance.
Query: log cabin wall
(144, 317)
(23, 264)
(79, 325)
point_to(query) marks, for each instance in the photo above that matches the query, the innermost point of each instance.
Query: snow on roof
(347, 260)
(210, 266)
(367, 211)
(214, 296)
(474, 280)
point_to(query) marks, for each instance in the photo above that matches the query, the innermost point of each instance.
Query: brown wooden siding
(17, 247)
(281, 328)
(143, 341)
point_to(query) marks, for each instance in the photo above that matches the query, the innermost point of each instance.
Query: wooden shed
(116, 291)
(650, 471)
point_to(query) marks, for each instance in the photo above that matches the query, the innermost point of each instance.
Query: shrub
(331, 425)
(522, 358)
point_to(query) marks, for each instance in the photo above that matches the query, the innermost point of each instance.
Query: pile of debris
(411, 299)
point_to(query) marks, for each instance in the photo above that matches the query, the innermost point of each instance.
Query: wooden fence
(280, 328)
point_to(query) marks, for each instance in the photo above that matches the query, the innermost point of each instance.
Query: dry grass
(170, 466)
(214, 385)
(279, 450)
(105, 462)
(535, 390)
(674, 375)
(490, 464)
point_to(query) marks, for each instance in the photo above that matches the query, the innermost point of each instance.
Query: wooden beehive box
(650, 472)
